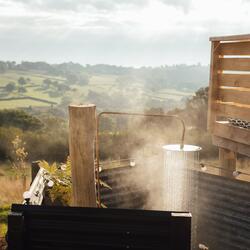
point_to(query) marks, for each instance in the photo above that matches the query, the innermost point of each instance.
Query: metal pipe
(127, 114)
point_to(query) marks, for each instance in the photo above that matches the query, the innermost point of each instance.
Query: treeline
(44, 135)
(182, 77)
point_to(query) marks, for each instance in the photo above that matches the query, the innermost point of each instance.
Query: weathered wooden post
(227, 162)
(82, 128)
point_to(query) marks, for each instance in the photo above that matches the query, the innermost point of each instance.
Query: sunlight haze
(132, 32)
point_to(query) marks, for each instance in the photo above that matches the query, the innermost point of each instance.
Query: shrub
(19, 119)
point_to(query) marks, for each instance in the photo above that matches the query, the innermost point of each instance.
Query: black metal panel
(223, 213)
(48, 228)
(125, 192)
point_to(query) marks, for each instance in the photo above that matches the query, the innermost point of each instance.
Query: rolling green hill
(109, 87)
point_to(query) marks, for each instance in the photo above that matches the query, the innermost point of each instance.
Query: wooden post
(82, 129)
(227, 162)
(213, 85)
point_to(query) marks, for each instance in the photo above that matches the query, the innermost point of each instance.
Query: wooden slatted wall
(229, 92)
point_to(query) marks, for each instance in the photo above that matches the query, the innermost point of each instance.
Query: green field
(102, 84)
(33, 89)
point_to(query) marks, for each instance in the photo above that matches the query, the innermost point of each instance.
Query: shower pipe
(127, 114)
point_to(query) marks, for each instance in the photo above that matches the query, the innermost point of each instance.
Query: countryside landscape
(124, 124)
(42, 85)
(34, 97)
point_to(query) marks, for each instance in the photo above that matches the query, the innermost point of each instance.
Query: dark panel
(91, 228)
(223, 214)
(124, 193)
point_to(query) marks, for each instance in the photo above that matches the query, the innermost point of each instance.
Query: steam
(161, 172)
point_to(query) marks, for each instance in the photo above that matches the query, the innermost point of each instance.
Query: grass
(36, 78)
(32, 87)
(102, 84)
(4, 211)
(103, 80)
(21, 104)
(11, 191)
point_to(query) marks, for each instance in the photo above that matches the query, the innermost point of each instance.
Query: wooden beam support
(82, 129)
(227, 161)
(233, 146)
(240, 38)
(213, 85)
(232, 133)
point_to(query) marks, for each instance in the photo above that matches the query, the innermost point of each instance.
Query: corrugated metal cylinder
(177, 178)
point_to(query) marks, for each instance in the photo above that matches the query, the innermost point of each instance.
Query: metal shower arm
(128, 114)
(146, 115)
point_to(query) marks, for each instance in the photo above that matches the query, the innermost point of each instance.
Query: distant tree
(66, 100)
(54, 83)
(83, 79)
(11, 65)
(3, 67)
(22, 81)
(11, 86)
(37, 66)
(63, 87)
(197, 108)
(21, 89)
(19, 119)
(71, 78)
(47, 82)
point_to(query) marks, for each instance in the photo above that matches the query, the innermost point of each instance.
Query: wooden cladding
(234, 80)
(235, 64)
(232, 110)
(236, 48)
(235, 95)
(229, 88)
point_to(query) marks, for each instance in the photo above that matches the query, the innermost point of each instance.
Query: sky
(119, 32)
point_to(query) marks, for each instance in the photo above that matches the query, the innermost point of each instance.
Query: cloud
(78, 5)
(184, 4)
(125, 32)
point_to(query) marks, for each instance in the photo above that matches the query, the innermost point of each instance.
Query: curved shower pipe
(97, 151)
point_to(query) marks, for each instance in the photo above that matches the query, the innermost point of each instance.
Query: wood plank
(235, 64)
(82, 130)
(234, 94)
(232, 133)
(243, 37)
(241, 48)
(213, 84)
(231, 145)
(227, 162)
(233, 110)
(234, 80)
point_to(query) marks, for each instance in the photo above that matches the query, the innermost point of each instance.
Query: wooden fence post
(227, 161)
(82, 128)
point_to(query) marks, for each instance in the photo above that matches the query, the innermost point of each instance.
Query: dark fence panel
(125, 192)
(223, 212)
(51, 228)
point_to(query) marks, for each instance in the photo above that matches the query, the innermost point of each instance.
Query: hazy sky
(121, 32)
